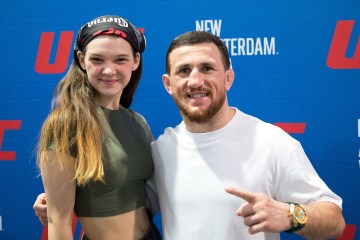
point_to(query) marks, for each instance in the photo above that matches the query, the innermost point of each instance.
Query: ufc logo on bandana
(110, 32)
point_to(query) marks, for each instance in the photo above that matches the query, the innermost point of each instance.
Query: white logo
(240, 46)
(122, 22)
(1, 228)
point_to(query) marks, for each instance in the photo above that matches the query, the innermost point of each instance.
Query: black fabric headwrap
(109, 25)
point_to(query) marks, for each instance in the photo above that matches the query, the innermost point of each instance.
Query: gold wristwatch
(298, 216)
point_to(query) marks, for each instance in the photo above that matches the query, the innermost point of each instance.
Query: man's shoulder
(169, 132)
(264, 130)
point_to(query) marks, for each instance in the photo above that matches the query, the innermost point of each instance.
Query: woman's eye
(120, 60)
(96, 60)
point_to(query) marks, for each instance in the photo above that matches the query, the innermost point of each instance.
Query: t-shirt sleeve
(297, 173)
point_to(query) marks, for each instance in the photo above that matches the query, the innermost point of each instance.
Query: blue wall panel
(280, 52)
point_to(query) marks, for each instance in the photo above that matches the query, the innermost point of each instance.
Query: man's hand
(261, 213)
(40, 208)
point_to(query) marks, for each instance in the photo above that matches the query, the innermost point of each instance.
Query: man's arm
(152, 200)
(264, 214)
(325, 220)
(40, 208)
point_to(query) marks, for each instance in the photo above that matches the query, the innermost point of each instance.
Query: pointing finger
(241, 193)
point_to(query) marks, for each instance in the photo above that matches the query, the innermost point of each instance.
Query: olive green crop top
(127, 165)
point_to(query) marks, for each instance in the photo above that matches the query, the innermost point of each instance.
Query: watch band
(296, 225)
(294, 229)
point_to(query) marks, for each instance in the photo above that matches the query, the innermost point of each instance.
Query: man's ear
(230, 77)
(81, 58)
(166, 82)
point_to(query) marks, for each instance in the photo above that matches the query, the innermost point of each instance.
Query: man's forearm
(325, 221)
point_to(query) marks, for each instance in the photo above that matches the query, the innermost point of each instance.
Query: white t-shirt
(193, 169)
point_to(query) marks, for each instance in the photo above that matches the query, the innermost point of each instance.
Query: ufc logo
(62, 52)
(336, 57)
(42, 64)
(8, 125)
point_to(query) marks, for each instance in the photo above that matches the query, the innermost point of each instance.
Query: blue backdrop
(297, 65)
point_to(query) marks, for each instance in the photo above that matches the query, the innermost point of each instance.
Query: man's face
(198, 81)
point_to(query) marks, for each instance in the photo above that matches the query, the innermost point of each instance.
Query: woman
(94, 153)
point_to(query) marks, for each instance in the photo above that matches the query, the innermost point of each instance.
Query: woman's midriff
(131, 225)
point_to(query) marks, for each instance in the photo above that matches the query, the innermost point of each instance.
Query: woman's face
(109, 63)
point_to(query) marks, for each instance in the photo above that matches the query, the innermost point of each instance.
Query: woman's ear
(136, 61)
(81, 58)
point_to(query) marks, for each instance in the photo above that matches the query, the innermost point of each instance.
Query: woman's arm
(60, 188)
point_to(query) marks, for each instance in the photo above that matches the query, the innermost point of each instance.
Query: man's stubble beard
(201, 116)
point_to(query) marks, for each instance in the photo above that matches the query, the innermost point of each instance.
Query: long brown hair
(73, 127)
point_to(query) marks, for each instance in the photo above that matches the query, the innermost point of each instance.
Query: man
(217, 146)
(222, 174)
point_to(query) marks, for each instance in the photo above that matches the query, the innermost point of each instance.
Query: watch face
(300, 215)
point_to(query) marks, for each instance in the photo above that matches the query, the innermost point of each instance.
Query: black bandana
(109, 25)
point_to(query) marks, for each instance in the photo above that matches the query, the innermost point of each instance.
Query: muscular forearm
(325, 221)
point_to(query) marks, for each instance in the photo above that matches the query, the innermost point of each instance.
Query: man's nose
(196, 79)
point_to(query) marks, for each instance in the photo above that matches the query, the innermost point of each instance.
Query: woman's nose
(109, 69)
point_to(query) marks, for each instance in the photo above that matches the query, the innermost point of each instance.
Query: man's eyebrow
(185, 65)
(208, 63)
